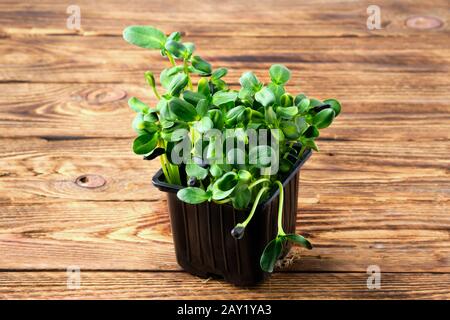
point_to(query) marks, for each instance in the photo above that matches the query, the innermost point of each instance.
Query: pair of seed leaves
(252, 88)
(289, 107)
(152, 38)
(234, 184)
(273, 249)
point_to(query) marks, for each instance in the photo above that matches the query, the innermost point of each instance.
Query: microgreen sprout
(194, 102)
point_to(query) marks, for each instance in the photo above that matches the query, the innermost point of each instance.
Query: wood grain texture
(312, 60)
(377, 194)
(163, 285)
(363, 200)
(229, 18)
(74, 110)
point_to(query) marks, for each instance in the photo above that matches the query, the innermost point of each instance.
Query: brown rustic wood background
(377, 194)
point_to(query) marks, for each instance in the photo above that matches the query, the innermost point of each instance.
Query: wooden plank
(340, 62)
(36, 170)
(377, 194)
(94, 235)
(155, 285)
(99, 110)
(353, 201)
(230, 18)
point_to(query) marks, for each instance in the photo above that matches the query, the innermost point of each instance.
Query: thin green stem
(258, 182)
(222, 201)
(193, 139)
(170, 171)
(164, 168)
(280, 209)
(186, 71)
(156, 93)
(172, 61)
(255, 205)
(175, 173)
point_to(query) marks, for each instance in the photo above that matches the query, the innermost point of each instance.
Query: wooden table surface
(377, 194)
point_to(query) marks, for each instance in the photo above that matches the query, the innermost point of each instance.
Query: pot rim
(172, 188)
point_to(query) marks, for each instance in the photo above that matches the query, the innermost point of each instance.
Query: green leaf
(265, 96)
(220, 194)
(260, 156)
(270, 116)
(175, 36)
(246, 95)
(137, 105)
(290, 130)
(193, 97)
(279, 74)
(217, 118)
(315, 103)
(203, 87)
(299, 98)
(176, 132)
(301, 123)
(190, 47)
(167, 74)
(211, 149)
(219, 73)
(299, 240)
(204, 125)
(202, 108)
(244, 176)
(201, 65)
(194, 170)
(278, 91)
(145, 37)
(324, 118)
(138, 123)
(303, 105)
(177, 49)
(286, 100)
(219, 85)
(249, 81)
(215, 170)
(335, 105)
(182, 109)
(224, 186)
(151, 116)
(224, 97)
(242, 196)
(145, 143)
(310, 144)
(233, 115)
(270, 254)
(149, 77)
(164, 111)
(228, 181)
(193, 195)
(287, 112)
(177, 84)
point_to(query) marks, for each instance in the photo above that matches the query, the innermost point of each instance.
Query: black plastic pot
(201, 233)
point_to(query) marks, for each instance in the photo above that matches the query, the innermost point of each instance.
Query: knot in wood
(424, 22)
(105, 95)
(90, 181)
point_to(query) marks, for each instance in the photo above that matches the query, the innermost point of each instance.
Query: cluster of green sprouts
(190, 111)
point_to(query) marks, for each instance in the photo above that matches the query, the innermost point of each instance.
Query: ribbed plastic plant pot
(202, 233)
